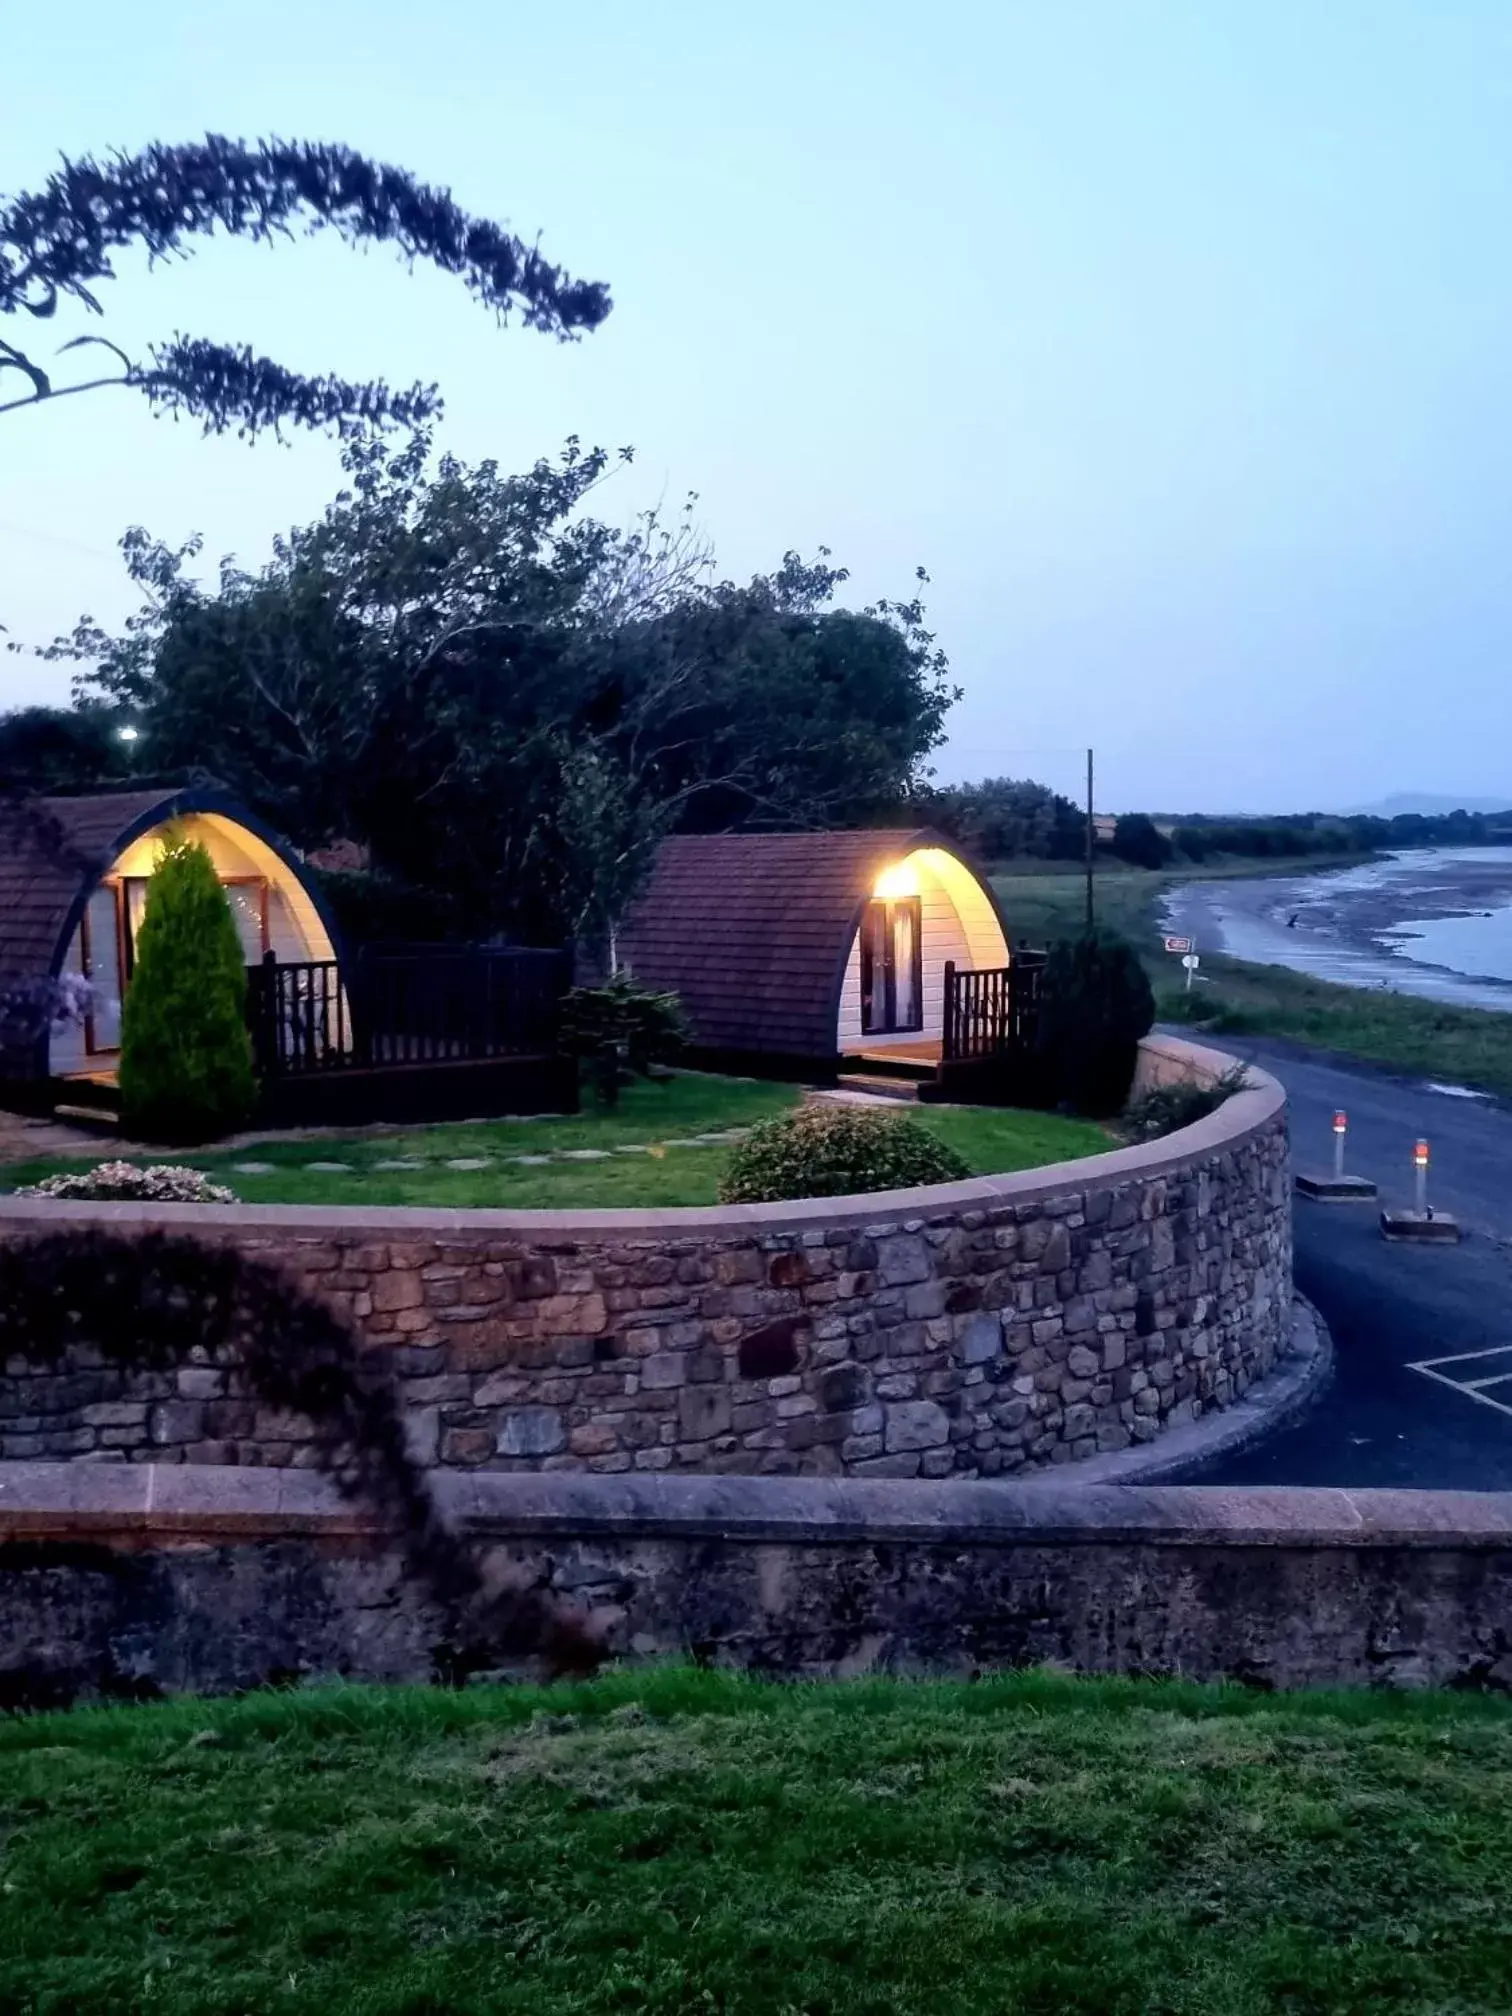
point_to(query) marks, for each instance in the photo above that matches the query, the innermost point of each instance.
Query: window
(892, 966)
(247, 895)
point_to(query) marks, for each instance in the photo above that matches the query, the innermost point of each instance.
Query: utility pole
(1091, 845)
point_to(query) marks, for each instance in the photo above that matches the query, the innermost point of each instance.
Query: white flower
(159, 1183)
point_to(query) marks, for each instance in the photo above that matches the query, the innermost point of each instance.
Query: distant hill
(1430, 804)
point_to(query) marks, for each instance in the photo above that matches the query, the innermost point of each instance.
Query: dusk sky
(1174, 337)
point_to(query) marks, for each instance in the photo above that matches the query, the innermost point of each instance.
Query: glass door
(100, 945)
(892, 966)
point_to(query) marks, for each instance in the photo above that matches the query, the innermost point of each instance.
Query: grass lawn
(646, 1153)
(1471, 1046)
(686, 1842)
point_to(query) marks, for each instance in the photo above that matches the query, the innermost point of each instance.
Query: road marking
(1463, 1357)
(1472, 1388)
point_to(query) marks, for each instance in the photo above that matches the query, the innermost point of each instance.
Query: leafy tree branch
(57, 246)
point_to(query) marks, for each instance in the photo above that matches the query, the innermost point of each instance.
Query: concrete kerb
(178, 1504)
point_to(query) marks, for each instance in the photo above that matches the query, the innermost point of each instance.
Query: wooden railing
(991, 1011)
(420, 1005)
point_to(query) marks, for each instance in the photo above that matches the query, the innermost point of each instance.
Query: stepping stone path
(472, 1163)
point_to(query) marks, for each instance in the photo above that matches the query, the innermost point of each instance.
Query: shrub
(31, 1007)
(159, 1183)
(1167, 1108)
(1095, 1005)
(834, 1151)
(620, 1031)
(186, 1058)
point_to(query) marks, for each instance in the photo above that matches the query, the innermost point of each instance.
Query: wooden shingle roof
(52, 850)
(753, 931)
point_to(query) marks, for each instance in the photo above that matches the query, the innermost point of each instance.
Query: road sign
(1178, 944)
(1191, 962)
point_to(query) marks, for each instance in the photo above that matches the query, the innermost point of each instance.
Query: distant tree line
(1329, 833)
(1010, 818)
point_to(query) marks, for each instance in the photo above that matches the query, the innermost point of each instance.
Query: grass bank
(686, 1842)
(1471, 1046)
(665, 1144)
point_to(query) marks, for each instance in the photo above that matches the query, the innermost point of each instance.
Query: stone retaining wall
(977, 1329)
(129, 1581)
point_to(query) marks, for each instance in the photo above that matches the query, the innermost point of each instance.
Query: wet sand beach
(1434, 922)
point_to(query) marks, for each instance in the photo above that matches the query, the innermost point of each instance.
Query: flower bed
(125, 1182)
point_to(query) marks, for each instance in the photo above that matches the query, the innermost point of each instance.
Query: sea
(1435, 922)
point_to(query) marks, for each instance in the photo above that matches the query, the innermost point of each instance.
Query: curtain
(905, 950)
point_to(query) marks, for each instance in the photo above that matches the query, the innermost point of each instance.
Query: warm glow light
(902, 879)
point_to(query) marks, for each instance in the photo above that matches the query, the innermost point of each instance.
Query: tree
(508, 700)
(56, 245)
(609, 834)
(1006, 818)
(48, 749)
(186, 1057)
(1139, 841)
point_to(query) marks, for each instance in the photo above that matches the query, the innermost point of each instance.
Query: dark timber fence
(991, 1011)
(386, 1008)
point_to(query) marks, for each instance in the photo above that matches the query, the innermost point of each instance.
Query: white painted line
(1455, 1091)
(1469, 1392)
(1463, 1357)
(1501, 1379)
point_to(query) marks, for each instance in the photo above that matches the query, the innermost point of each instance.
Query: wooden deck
(926, 1050)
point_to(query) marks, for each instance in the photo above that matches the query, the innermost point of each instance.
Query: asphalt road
(1392, 1309)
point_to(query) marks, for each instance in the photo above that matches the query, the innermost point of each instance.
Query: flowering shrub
(32, 1005)
(160, 1183)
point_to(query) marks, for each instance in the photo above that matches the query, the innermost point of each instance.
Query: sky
(1170, 336)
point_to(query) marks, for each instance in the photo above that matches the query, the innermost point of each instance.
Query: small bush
(1168, 1108)
(160, 1183)
(1095, 1005)
(620, 1032)
(835, 1151)
(186, 1058)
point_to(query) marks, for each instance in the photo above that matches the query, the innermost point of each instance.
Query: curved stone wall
(978, 1329)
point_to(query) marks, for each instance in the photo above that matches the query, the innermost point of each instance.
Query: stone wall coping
(182, 1504)
(1239, 1119)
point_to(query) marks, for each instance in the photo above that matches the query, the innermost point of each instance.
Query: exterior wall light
(902, 879)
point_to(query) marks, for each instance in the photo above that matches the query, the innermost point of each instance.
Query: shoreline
(1356, 926)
